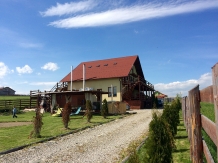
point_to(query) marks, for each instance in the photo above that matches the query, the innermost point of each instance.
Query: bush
(88, 112)
(160, 142)
(104, 109)
(171, 116)
(66, 114)
(37, 125)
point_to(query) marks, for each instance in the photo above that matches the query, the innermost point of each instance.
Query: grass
(182, 152)
(207, 109)
(11, 137)
(14, 97)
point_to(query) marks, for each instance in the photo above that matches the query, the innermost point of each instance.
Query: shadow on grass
(180, 150)
(181, 137)
(181, 129)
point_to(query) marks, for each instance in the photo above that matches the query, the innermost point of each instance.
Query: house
(7, 91)
(116, 79)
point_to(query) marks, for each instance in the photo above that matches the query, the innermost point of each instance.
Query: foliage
(134, 158)
(37, 125)
(171, 115)
(88, 112)
(104, 110)
(66, 114)
(160, 142)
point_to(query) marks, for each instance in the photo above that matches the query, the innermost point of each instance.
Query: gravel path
(101, 144)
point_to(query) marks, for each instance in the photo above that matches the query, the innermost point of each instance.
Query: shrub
(66, 114)
(171, 116)
(37, 125)
(104, 109)
(160, 142)
(88, 112)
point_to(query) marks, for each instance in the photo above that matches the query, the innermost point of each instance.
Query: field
(14, 97)
(12, 137)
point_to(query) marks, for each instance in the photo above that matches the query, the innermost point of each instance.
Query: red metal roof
(102, 69)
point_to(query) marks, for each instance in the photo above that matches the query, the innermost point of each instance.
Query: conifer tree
(88, 112)
(160, 142)
(104, 109)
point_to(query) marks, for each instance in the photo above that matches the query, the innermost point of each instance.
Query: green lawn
(12, 137)
(182, 152)
(14, 97)
(207, 109)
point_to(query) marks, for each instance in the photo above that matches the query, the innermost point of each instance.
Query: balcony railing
(132, 78)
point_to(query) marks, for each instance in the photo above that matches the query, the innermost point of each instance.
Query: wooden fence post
(196, 138)
(215, 96)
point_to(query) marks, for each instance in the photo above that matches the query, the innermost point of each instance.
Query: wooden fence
(20, 104)
(194, 121)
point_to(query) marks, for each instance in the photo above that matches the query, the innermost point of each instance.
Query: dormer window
(98, 66)
(105, 64)
(115, 63)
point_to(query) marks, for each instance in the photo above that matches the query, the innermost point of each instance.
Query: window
(114, 91)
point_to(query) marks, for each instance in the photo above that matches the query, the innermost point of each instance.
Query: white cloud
(134, 13)
(4, 70)
(69, 8)
(50, 66)
(174, 88)
(24, 70)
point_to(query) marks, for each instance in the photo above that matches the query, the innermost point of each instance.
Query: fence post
(215, 96)
(196, 137)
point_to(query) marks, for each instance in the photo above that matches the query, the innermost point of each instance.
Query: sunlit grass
(12, 137)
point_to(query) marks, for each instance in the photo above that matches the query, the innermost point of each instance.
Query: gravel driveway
(101, 144)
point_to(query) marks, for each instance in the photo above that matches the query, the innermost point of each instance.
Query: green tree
(37, 125)
(66, 114)
(88, 112)
(160, 142)
(104, 109)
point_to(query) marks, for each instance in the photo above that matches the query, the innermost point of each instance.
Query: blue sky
(176, 40)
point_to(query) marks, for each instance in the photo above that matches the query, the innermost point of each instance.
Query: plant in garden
(37, 125)
(171, 116)
(88, 112)
(104, 109)
(66, 114)
(160, 142)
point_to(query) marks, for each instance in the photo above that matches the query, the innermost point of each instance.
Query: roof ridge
(109, 59)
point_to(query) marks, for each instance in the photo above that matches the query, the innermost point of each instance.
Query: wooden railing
(59, 86)
(132, 78)
(194, 121)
